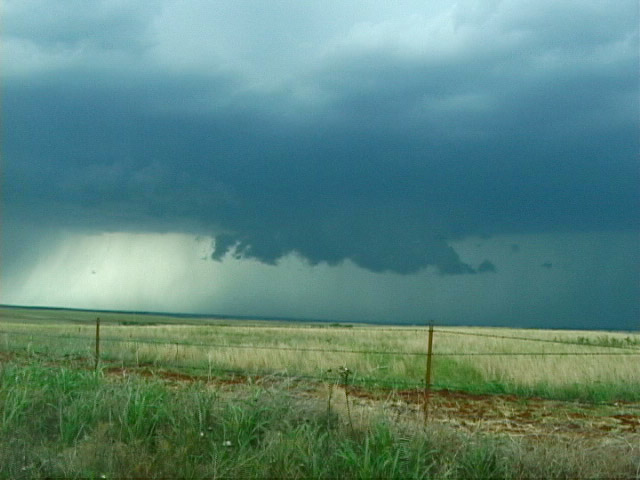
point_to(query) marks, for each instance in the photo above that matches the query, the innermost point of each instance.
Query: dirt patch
(510, 414)
(514, 415)
(5, 357)
(150, 372)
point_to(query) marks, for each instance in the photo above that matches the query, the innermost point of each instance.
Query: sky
(456, 162)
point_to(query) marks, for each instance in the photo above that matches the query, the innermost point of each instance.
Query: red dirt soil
(508, 414)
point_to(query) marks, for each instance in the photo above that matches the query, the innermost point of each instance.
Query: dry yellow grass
(312, 349)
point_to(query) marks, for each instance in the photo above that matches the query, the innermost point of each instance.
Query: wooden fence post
(97, 343)
(427, 382)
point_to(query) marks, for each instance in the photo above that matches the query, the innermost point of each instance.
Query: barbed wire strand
(329, 376)
(528, 339)
(148, 341)
(343, 328)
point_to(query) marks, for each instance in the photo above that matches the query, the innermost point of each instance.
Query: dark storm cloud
(486, 266)
(382, 152)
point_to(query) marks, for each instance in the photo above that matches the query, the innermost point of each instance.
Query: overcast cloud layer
(375, 132)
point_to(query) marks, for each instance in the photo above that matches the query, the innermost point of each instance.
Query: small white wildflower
(226, 443)
(201, 434)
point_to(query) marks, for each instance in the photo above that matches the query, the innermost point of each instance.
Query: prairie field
(585, 365)
(214, 397)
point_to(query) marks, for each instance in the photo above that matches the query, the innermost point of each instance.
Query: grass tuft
(70, 423)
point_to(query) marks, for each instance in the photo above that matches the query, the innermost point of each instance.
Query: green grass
(378, 357)
(610, 341)
(63, 422)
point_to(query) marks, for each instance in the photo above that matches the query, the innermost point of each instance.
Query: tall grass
(78, 424)
(376, 356)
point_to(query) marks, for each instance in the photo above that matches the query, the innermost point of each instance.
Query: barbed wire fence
(628, 350)
(91, 342)
(619, 349)
(631, 351)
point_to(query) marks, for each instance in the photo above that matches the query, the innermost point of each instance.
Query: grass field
(489, 360)
(214, 398)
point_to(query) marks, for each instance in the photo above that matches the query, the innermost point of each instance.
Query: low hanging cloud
(486, 266)
(378, 136)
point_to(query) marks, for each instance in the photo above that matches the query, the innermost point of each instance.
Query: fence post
(427, 383)
(97, 343)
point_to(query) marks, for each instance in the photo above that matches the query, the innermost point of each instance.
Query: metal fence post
(427, 383)
(97, 342)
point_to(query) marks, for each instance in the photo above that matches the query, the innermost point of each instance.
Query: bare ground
(507, 414)
(531, 417)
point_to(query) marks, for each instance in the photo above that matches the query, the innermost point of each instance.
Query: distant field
(586, 365)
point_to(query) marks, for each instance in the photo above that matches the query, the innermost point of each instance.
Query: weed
(609, 341)
(75, 424)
